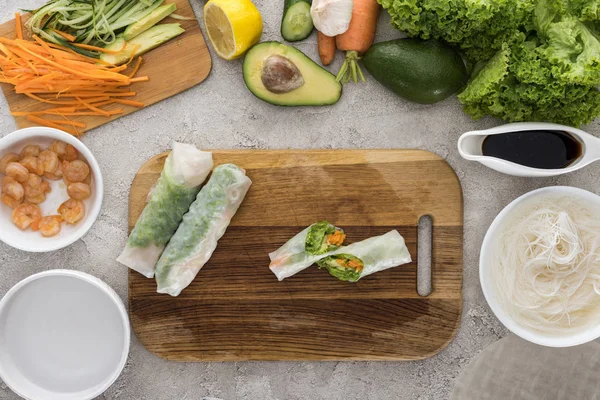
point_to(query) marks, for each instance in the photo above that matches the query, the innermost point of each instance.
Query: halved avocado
(284, 76)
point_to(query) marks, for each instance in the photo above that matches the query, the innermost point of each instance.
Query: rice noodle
(547, 265)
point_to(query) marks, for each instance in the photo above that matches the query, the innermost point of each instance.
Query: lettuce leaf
(541, 57)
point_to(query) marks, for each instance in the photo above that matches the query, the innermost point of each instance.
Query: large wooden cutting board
(237, 310)
(172, 68)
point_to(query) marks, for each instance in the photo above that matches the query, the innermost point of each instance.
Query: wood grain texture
(237, 310)
(172, 68)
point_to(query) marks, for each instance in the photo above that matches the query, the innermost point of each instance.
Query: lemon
(233, 26)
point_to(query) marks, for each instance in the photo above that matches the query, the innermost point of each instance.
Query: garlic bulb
(331, 17)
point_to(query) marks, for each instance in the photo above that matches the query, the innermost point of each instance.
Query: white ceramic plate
(33, 241)
(489, 288)
(64, 335)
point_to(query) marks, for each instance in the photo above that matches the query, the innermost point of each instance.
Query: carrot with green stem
(357, 39)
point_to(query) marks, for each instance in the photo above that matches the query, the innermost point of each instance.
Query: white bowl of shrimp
(51, 189)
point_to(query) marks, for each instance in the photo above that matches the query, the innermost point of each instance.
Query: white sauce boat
(470, 148)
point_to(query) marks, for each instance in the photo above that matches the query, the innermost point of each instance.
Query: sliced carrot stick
(48, 111)
(93, 113)
(18, 26)
(67, 122)
(128, 102)
(100, 49)
(139, 79)
(135, 70)
(67, 36)
(93, 108)
(50, 124)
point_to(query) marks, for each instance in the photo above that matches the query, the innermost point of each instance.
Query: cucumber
(142, 43)
(149, 21)
(296, 23)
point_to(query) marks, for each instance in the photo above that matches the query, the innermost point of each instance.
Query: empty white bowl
(33, 241)
(486, 265)
(64, 335)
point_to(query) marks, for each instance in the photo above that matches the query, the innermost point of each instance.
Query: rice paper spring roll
(185, 169)
(205, 223)
(353, 262)
(306, 248)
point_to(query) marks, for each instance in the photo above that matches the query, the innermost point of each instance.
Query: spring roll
(353, 262)
(205, 223)
(306, 248)
(185, 169)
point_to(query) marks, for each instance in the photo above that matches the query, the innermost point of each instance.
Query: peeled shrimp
(64, 151)
(72, 211)
(6, 159)
(31, 150)
(79, 191)
(27, 216)
(35, 186)
(38, 199)
(9, 201)
(32, 165)
(56, 175)
(48, 161)
(17, 171)
(75, 171)
(12, 188)
(50, 225)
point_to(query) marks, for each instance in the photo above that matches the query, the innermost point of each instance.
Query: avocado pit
(280, 75)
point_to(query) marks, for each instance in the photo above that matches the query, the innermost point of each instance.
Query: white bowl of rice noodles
(539, 266)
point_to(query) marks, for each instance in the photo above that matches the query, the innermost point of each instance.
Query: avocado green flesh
(319, 88)
(420, 71)
(297, 23)
(142, 43)
(149, 21)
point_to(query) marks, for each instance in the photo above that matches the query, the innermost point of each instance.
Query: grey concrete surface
(222, 113)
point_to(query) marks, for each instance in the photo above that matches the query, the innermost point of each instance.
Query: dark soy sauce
(537, 149)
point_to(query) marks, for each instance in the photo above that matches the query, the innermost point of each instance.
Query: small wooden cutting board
(237, 310)
(172, 68)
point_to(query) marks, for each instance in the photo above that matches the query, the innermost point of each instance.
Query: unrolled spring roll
(353, 262)
(306, 248)
(196, 238)
(185, 169)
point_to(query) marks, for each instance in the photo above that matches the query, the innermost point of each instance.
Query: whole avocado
(422, 71)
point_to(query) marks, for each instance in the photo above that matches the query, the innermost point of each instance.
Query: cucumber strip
(296, 23)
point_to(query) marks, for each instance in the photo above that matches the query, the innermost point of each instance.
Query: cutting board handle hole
(424, 255)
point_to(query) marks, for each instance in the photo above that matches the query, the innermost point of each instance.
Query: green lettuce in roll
(323, 237)
(184, 170)
(205, 223)
(345, 267)
(355, 261)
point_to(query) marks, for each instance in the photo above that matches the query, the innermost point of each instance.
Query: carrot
(357, 39)
(326, 46)
(18, 26)
(138, 64)
(66, 35)
(50, 124)
(75, 85)
(128, 102)
(74, 124)
(100, 49)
